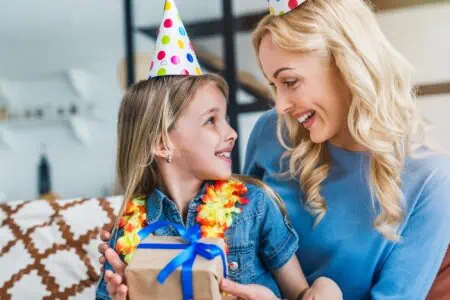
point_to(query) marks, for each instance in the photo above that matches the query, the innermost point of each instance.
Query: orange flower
(133, 220)
(220, 203)
(219, 206)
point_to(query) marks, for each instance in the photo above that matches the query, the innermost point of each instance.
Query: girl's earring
(169, 159)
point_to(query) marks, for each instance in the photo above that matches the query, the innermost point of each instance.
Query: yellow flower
(133, 220)
(220, 204)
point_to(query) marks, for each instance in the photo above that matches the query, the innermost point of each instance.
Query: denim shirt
(260, 239)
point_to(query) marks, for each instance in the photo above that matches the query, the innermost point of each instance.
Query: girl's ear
(163, 151)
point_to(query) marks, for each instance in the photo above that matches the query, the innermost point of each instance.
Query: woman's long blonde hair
(382, 116)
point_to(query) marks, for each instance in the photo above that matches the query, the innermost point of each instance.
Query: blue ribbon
(186, 258)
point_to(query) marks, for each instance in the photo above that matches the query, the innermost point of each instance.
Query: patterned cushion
(48, 248)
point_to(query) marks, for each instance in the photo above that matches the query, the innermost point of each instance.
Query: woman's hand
(246, 292)
(323, 289)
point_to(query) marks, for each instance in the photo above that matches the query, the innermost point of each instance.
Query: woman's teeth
(224, 154)
(306, 116)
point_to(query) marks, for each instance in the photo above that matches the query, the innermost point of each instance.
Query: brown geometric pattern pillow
(48, 248)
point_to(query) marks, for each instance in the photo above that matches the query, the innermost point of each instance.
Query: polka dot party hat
(280, 7)
(174, 54)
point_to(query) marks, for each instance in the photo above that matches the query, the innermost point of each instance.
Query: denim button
(233, 266)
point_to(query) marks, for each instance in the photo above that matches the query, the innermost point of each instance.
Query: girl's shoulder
(261, 197)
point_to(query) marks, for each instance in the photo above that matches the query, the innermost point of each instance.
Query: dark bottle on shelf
(44, 178)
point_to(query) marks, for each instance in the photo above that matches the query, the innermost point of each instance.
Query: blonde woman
(367, 197)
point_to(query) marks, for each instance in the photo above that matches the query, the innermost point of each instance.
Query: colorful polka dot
(165, 40)
(292, 4)
(168, 23)
(175, 53)
(281, 13)
(175, 59)
(161, 55)
(162, 72)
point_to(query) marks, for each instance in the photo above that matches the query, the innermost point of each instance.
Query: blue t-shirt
(260, 239)
(344, 245)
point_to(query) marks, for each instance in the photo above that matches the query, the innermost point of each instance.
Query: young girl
(174, 148)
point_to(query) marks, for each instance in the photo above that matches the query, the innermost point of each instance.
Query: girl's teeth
(225, 154)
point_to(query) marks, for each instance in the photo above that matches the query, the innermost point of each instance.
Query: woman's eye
(273, 87)
(290, 83)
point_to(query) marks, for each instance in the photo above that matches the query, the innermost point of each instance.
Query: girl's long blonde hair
(382, 116)
(148, 112)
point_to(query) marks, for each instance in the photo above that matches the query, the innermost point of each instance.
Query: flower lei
(134, 219)
(215, 215)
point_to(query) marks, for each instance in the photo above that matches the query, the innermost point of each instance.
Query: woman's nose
(282, 104)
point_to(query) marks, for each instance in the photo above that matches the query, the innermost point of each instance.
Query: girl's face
(202, 137)
(309, 89)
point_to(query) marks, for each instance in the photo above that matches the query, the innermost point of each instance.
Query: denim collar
(158, 201)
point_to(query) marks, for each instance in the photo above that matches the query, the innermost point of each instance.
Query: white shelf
(79, 124)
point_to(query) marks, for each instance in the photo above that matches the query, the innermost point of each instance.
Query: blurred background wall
(62, 78)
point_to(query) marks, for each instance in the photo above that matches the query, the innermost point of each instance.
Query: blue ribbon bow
(186, 258)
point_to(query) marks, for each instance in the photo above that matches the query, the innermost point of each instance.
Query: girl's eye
(211, 120)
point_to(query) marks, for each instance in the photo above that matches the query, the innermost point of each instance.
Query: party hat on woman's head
(174, 54)
(279, 7)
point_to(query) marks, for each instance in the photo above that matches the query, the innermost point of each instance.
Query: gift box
(177, 268)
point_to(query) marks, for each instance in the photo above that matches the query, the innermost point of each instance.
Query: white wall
(77, 169)
(422, 35)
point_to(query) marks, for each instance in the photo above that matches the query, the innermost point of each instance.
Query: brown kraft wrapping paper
(146, 264)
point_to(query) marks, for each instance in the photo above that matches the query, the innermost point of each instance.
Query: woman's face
(309, 89)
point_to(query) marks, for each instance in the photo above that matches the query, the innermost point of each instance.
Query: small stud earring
(169, 159)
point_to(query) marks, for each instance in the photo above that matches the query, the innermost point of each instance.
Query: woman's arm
(411, 267)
